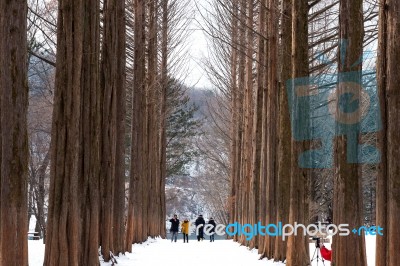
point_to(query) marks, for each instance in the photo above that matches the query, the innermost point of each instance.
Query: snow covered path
(162, 252)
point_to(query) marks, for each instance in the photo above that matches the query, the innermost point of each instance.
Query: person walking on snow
(185, 230)
(174, 227)
(211, 222)
(200, 227)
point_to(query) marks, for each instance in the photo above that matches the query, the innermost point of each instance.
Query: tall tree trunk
(62, 226)
(107, 173)
(153, 207)
(120, 77)
(241, 85)
(297, 250)
(348, 207)
(74, 203)
(382, 255)
(90, 138)
(247, 82)
(259, 201)
(285, 134)
(135, 233)
(113, 129)
(247, 210)
(13, 134)
(237, 61)
(163, 111)
(145, 114)
(234, 114)
(388, 181)
(272, 121)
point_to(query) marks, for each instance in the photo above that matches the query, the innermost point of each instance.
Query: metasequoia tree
(284, 146)
(271, 122)
(248, 112)
(225, 113)
(297, 250)
(265, 50)
(388, 181)
(235, 114)
(112, 176)
(74, 200)
(135, 211)
(347, 204)
(258, 46)
(145, 213)
(13, 134)
(158, 28)
(103, 128)
(162, 151)
(259, 157)
(323, 51)
(245, 87)
(252, 89)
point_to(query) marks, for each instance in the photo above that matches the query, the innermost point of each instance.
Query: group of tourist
(185, 228)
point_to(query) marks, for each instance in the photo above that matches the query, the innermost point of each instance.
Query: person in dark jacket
(200, 227)
(174, 227)
(211, 222)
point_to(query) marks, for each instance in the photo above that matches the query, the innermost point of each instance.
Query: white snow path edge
(163, 252)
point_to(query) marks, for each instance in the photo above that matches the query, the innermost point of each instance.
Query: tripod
(316, 256)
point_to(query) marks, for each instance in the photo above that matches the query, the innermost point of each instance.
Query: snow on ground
(370, 247)
(194, 253)
(35, 252)
(163, 252)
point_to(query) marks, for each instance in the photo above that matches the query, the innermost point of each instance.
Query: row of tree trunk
(262, 187)
(87, 151)
(87, 176)
(87, 158)
(146, 203)
(87, 190)
(88, 172)
(267, 182)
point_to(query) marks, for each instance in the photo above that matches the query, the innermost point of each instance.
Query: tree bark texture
(13, 134)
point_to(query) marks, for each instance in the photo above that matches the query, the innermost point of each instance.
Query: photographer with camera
(326, 254)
